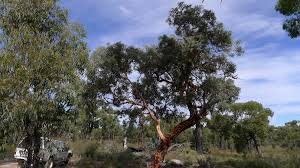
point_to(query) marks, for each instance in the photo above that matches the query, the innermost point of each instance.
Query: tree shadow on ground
(112, 160)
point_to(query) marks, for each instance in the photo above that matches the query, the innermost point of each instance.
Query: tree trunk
(222, 142)
(36, 148)
(199, 138)
(167, 139)
(29, 161)
(33, 143)
(160, 154)
(257, 147)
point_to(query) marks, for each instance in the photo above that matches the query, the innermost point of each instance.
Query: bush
(260, 163)
(267, 162)
(124, 159)
(91, 150)
(6, 151)
(80, 147)
(97, 134)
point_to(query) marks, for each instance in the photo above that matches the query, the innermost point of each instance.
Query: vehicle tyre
(49, 163)
(66, 163)
(21, 164)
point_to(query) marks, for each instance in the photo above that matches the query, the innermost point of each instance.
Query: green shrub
(124, 159)
(91, 150)
(289, 161)
(248, 164)
(97, 134)
(6, 151)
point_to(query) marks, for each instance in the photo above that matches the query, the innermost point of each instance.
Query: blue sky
(268, 71)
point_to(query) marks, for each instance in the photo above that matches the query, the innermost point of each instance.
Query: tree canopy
(41, 57)
(252, 124)
(290, 9)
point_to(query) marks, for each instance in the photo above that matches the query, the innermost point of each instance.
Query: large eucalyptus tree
(189, 73)
(41, 55)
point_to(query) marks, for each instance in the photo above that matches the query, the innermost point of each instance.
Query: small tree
(109, 124)
(251, 125)
(222, 125)
(189, 72)
(289, 134)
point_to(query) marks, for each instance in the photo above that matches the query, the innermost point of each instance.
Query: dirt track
(14, 164)
(8, 165)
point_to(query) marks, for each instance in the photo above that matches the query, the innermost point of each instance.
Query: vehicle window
(59, 145)
(22, 143)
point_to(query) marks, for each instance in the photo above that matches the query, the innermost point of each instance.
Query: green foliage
(41, 55)
(189, 71)
(287, 136)
(252, 124)
(91, 150)
(6, 151)
(114, 160)
(259, 163)
(108, 125)
(290, 161)
(105, 154)
(139, 129)
(291, 9)
(247, 124)
(221, 126)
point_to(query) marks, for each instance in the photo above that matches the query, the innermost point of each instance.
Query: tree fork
(162, 150)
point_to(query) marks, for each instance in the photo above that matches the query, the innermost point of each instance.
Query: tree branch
(162, 79)
(192, 120)
(160, 134)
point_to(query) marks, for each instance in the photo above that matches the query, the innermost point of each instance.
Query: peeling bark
(160, 154)
(162, 150)
(160, 134)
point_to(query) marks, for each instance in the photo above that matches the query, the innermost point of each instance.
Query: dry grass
(110, 154)
(272, 158)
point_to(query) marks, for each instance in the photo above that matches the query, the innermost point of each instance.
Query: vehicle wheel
(66, 162)
(21, 164)
(49, 163)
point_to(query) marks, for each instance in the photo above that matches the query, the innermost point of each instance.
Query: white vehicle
(52, 152)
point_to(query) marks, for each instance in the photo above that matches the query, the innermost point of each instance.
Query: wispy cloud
(278, 88)
(124, 10)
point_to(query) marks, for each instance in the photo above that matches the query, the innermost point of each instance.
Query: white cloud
(246, 20)
(270, 65)
(124, 10)
(280, 87)
(147, 19)
(144, 22)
